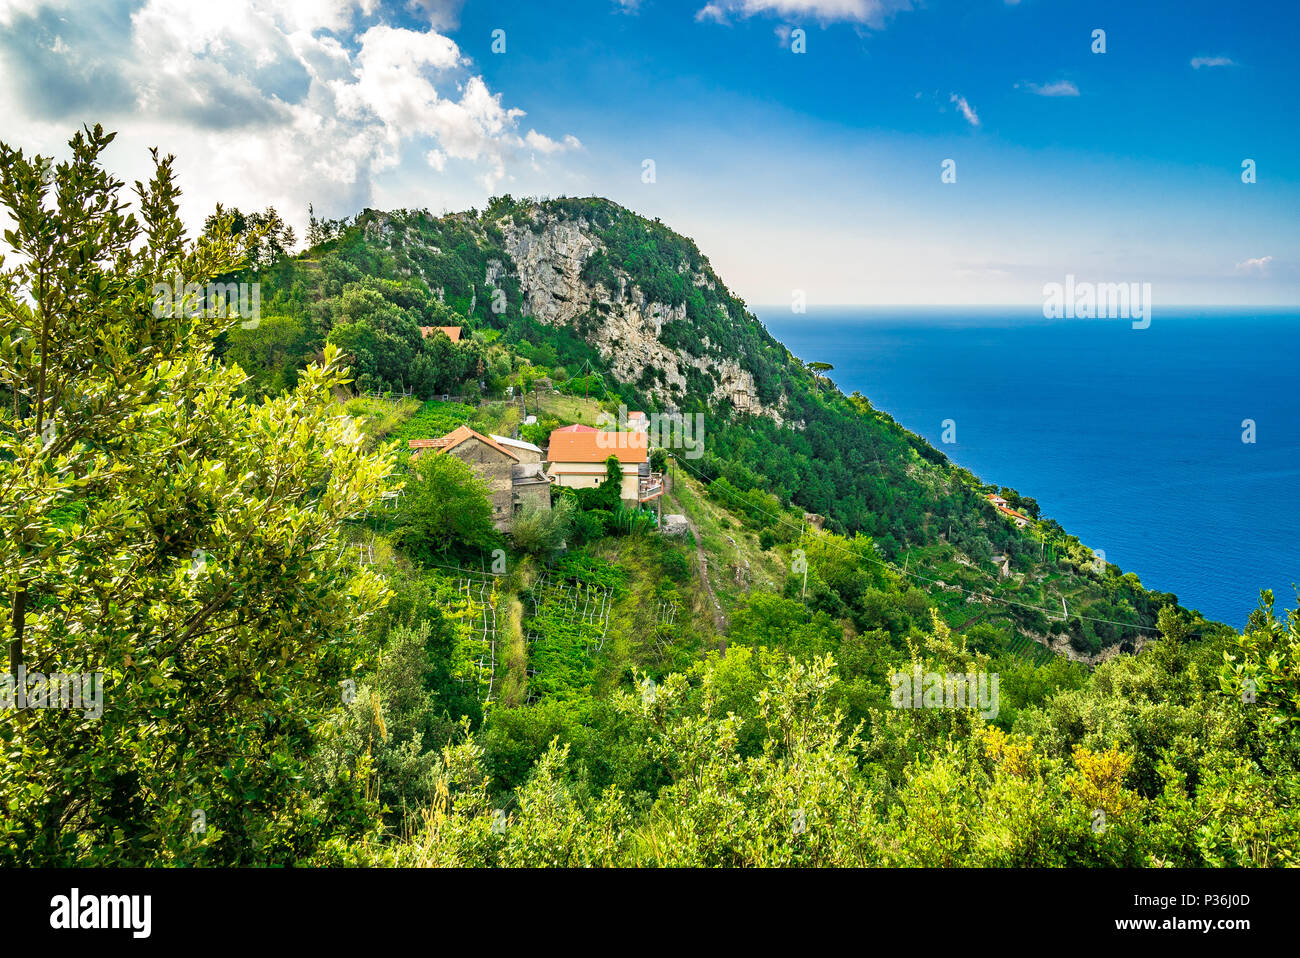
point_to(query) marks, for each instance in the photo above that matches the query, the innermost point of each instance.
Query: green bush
(675, 565)
(446, 509)
(538, 530)
(590, 524)
(631, 522)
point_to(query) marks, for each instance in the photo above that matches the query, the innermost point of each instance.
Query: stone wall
(494, 468)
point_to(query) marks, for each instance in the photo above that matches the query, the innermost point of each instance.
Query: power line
(917, 575)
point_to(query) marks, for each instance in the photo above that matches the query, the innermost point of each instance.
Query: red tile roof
(1004, 510)
(453, 332)
(455, 438)
(588, 445)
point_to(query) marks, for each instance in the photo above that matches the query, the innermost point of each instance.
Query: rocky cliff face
(624, 324)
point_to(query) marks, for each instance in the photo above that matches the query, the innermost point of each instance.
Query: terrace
(650, 486)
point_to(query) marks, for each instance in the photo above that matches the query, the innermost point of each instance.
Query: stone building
(523, 451)
(498, 463)
(531, 485)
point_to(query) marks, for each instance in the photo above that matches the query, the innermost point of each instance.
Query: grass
(638, 638)
(378, 418)
(568, 409)
(728, 542)
(513, 663)
(433, 419)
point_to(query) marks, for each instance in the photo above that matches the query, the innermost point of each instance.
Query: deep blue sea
(1130, 438)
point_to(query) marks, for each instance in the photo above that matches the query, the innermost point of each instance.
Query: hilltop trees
(162, 533)
(378, 323)
(264, 239)
(819, 371)
(321, 230)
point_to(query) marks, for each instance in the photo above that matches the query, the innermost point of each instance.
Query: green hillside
(325, 647)
(833, 455)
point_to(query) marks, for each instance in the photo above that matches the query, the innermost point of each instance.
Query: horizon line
(1035, 305)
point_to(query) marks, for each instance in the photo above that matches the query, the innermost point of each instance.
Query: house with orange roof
(577, 456)
(1002, 506)
(510, 468)
(451, 332)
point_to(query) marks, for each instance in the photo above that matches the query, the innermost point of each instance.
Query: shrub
(590, 524)
(675, 565)
(538, 531)
(446, 508)
(631, 522)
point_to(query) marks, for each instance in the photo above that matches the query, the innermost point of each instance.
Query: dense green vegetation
(166, 535)
(333, 676)
(834, 455)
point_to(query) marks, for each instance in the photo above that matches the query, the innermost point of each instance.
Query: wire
(916, 575)
(1050, 613)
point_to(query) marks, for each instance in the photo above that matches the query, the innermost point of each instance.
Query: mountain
(586, 288)
(323, 650)
(645, 297)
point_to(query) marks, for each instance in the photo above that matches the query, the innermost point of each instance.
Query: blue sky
(817, 171)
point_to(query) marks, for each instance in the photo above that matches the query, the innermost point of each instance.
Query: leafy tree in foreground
(161, 532)
(1264, 662)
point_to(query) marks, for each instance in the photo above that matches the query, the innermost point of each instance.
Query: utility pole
(803, 532)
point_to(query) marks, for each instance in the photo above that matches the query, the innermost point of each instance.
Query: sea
(1174, 449)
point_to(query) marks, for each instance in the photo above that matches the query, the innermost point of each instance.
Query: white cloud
(264, 102)
(1257, 266)
(390, 80)
(440, 14)
(332, 15)
(1198, 62)
(1056, 88)
(966, 109)
(544, 144)
(870, 13)
(11, 10)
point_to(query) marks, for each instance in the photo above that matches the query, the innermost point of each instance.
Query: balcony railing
(650, 486)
